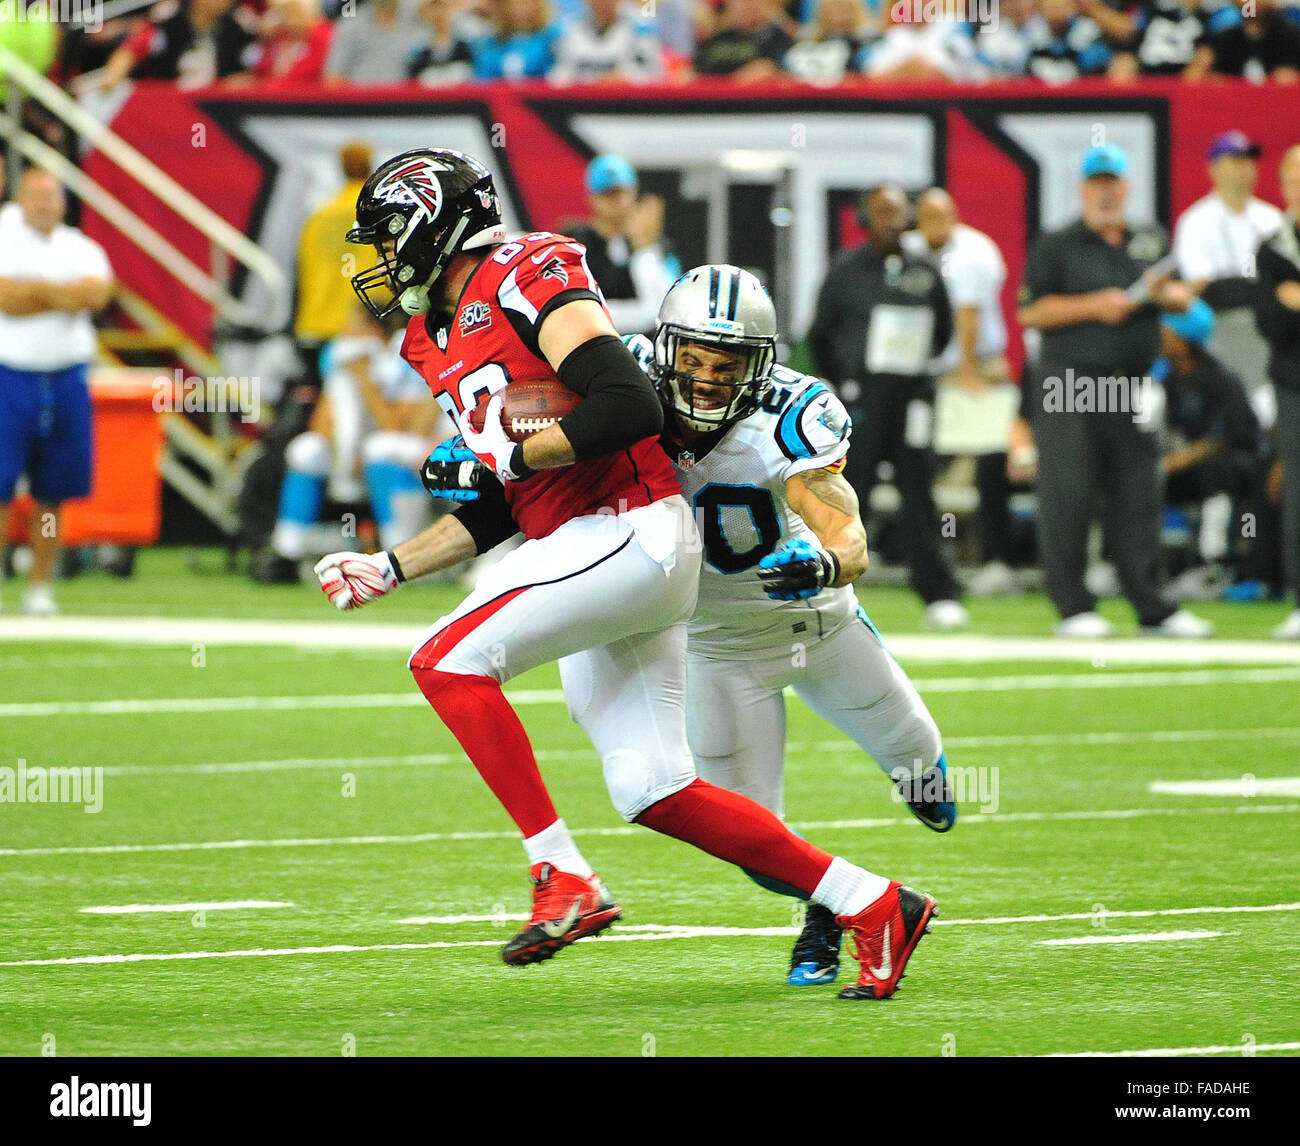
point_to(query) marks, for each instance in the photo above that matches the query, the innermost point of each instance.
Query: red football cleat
(884, 937)
(565, 909)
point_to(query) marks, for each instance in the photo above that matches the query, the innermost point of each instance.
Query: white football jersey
(737, 493)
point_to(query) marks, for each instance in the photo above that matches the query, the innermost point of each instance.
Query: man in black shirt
(1095, 292)
(1278, 315)
(750, 45)
(1263, 44)
(1220, 447)
(882, 315)
(626, 251)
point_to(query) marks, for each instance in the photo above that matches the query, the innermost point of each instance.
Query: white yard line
(1244, 1049)
(1140, 937)
(350, 633)
(630, 829)
(187, 908)
(1102, 916)
(1247, 786)
(413, 699)
(794, 748)
(633, 933)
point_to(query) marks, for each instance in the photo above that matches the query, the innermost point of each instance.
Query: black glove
(453, 472)
(797, 571)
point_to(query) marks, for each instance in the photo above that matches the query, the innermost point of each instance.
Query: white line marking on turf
(631, 829)
(1058, 681)
(794, 748)
(1150, 913)
(1140, 937)
(420, 920)
(187, 908)
(1247, 786)
(1176, 1052)
(333, 632)
(642, 932)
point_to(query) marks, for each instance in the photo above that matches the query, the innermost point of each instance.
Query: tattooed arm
(829, 507)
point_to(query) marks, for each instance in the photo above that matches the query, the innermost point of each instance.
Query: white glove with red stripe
(491, 446)
(353, 579)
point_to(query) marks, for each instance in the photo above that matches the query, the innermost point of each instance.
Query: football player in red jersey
(605, 580)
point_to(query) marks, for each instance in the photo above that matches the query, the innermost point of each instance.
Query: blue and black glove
(453, 471)
(797, 571)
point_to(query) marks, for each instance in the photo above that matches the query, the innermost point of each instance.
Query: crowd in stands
(438, 42)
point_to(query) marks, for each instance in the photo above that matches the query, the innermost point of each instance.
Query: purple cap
(1232, 143)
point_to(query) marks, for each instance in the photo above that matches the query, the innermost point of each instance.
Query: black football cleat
(816, 957)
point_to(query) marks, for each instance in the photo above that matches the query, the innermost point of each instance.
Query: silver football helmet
(710, 311)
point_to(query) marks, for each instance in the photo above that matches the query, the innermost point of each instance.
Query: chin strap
(415, 300)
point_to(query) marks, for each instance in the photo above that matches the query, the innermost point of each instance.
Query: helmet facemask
(408, 265)
(754, 357)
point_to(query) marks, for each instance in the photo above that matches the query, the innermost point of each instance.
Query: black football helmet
(429, 204)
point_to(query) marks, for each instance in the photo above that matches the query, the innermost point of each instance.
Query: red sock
(480, 717)
(736, 829)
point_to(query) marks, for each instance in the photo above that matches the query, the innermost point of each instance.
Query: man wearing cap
(1278, 315)
(1095, 290)
(1215, 241)
(1220, 453)
(625, 247)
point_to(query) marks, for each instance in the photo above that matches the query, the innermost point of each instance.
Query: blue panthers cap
(609, 172)
(1107, 159)
(1196, 324)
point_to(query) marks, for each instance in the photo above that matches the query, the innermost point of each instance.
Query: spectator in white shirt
(1002, 47)
(975, 359)
(612, 41)
(51, 279)
(1215, 241)
(917, 48)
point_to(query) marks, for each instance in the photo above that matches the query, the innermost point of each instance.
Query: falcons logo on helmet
(416, 183)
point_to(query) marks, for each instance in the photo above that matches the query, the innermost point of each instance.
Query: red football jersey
(491, 340)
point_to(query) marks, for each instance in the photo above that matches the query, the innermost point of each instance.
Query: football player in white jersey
(759, 449)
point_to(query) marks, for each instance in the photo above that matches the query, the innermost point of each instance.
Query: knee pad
(309, 453)
(630, 779)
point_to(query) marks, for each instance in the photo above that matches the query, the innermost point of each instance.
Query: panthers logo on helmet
(416, 183)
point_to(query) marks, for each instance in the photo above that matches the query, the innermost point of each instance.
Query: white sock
(846, 889)
(555, 846)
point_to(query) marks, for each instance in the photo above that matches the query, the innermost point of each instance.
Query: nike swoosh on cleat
(557, 927)
(820, 973)
(886, 964)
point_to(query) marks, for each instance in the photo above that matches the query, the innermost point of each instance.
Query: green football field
(1124, 876)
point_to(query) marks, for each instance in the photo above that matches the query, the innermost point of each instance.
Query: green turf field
(362, 817)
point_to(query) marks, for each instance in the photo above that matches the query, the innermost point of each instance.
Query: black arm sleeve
(487, 518)
(621, 407)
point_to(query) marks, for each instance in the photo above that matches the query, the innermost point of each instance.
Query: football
(529, 407)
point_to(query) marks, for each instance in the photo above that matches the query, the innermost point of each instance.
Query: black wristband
(397, 568)
(520, 468)
(833, 563)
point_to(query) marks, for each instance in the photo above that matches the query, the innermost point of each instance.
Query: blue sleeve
(1094, 59)
(1221, 19)
(487, 58)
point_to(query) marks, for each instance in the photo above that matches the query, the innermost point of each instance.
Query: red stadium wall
(1007, 152)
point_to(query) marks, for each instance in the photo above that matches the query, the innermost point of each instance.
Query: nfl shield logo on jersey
(441, 338)
(685, 459)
